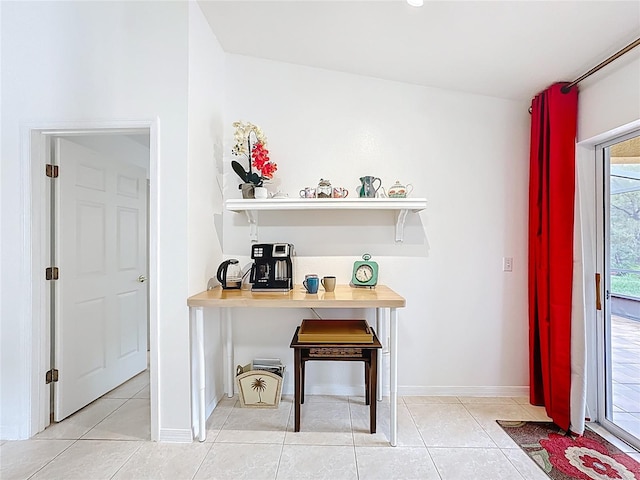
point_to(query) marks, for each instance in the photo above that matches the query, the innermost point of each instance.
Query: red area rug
(565, 456)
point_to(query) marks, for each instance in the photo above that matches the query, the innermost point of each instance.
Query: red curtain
(551, 208)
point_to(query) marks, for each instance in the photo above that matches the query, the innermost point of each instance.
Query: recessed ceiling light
(415, 3)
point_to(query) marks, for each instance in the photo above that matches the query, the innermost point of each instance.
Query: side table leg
(297, 367)
(393, 364)
(302, 381)
(373, 414)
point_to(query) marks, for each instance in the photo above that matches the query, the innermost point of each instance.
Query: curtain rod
(602, 64)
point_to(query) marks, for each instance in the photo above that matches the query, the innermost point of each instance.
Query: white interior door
(101, 296)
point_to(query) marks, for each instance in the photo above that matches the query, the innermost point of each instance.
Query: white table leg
(195, 422)
(199, 324)
(229, 351)
(393, 371)
(379, 322)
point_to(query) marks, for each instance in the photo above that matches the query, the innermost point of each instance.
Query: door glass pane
(622, 327)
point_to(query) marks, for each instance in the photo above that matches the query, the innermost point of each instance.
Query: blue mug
(311, 284)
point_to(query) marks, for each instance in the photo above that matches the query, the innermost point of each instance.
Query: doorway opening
(132, 146)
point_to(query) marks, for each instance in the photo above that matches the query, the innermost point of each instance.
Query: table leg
(393, 368)
(297, 367)
(367, 382)
(373, 375)
(228, 328)
(199, 327)
(195, 368)
(302, 381)
(380, 333)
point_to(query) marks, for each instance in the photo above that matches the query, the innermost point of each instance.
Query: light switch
(507, 264)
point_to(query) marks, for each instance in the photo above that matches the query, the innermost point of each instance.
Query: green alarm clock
(365, 272)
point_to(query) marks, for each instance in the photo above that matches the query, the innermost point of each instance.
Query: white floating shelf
(401, 205)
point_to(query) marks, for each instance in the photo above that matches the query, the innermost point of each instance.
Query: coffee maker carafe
(272, 270)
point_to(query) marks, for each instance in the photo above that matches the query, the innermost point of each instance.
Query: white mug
(260, 192)
(308, 192)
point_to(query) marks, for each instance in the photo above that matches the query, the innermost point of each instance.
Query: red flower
(260, 155)
(261, 161)
(268, 169)
(586, 459)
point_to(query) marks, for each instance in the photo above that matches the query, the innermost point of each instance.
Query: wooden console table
(344, 296)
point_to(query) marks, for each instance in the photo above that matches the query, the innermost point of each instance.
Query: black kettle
(230, 274)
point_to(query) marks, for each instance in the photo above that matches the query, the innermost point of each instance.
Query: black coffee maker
(272, 270)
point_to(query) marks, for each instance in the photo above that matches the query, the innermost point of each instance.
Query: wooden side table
(343, 352)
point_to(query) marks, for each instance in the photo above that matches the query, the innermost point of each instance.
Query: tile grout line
(195, 474)
(76, 440)
(84, 435)
(47, 463)
(353, 439)
(126, 461)
(435, 466)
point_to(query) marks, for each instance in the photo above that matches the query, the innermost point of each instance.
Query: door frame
(35, 154)
(587, 157)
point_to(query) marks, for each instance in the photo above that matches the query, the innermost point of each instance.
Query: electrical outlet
(507, 264)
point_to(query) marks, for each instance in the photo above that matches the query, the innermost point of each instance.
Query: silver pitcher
(367, 189)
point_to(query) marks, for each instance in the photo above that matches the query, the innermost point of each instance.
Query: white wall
(610, 100)
(206, 125)
(90, 62)
(206, 90)
(464, 329)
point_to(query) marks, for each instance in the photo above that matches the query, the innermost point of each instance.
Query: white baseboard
(343, 390)
(214, 402)
(175, 435)
(493, 391)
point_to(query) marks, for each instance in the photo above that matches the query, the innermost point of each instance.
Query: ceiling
(509, 49)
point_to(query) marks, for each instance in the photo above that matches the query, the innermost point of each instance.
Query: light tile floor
(439, 438)
(625, 353)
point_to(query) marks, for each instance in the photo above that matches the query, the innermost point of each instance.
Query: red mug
(339, 192)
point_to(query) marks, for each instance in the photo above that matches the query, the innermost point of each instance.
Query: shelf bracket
(402, 215)
(252, 217)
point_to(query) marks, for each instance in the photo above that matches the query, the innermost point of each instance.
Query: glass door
(619, 334)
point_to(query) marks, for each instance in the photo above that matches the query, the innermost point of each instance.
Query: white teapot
(397, 190)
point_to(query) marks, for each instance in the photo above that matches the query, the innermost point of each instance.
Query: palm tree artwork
(259, 385)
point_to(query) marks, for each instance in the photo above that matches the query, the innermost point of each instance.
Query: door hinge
(52, 171)
(51, 376)
(52, 273)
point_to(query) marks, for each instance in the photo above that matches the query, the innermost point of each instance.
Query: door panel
(619, 342)
(101, 307)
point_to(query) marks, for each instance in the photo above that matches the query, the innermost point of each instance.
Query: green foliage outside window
(625, 235)
(626, 284)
